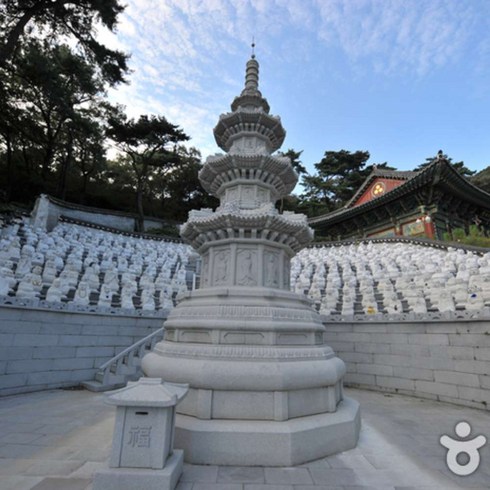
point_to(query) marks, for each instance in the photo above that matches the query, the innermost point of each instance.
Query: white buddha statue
(82, 294)
(55, 293)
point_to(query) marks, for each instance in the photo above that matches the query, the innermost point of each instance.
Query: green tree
(181, 186)
(482, 179)
(331, 185)
(338, 176)
(90, 153)
(55, 19)
(43, 83)
(149, 144)
(295, 158)
(59, 89)
(459, 166)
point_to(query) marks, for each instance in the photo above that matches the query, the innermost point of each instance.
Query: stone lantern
(264, 388)
(142, 446)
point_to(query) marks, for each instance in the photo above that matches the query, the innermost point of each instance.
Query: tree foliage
(338, 176)
(55, 19)
(170, 192)
(482, 179)
(149, 144)
(57, 120)
(459, 166)
(53, 80)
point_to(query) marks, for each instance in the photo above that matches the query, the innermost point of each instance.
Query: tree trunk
(140, 222)
(84, 187)
(8, 48)
(64, 170)
(10, 169)
(48, 157)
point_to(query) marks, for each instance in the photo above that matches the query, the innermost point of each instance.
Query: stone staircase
(125, 366)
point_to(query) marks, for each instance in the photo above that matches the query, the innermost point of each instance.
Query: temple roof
(379, 173)
(439, 173)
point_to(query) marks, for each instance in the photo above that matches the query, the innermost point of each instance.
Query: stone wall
(43, 349)
(443, 359)
(48, 210)
(447, 359)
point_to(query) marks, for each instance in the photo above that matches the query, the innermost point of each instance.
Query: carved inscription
(140, 436)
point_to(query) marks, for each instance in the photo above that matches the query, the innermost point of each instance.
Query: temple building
(425, 203)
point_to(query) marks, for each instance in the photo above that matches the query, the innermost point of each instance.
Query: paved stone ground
(55, 440)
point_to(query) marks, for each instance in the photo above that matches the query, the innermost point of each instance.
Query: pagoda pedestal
(264, 388)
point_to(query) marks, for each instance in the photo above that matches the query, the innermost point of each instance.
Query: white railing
(115, 366)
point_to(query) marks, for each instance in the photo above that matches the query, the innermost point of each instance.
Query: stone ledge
(266, 443)
(143, 479)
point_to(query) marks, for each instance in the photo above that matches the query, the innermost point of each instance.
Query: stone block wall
(48, 210)
(43, 349)
(446, 360)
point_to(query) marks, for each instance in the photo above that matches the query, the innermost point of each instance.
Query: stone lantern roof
(149, 392)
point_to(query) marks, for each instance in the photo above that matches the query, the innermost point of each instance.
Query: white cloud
(185, 53)
(394, 36)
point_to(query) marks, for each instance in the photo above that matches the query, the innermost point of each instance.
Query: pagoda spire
(252, 77)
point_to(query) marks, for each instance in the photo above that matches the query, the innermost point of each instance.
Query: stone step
(97, 386)
(113, 379)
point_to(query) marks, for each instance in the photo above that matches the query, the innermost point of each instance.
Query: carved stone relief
(249, 145)
(286, 274)
(271, 269)
(221, 267)
(205, 270)
(247, 267)
(248, 193)
(232, 194)
(262, 195)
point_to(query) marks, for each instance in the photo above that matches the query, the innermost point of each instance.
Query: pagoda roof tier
(222, 170)
(288, 229)
(250, 100)
(249, 122)
(251, 95)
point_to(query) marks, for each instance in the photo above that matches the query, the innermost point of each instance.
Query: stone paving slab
(62, 484)
(56, 440)
(240, 474)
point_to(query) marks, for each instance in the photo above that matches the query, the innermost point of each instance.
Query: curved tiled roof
(379, 173)
(438, 172)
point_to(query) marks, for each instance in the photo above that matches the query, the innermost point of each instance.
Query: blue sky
(400, 79)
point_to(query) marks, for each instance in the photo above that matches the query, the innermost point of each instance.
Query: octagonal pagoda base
(269, 443)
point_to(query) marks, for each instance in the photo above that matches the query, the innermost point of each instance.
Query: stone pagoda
(265, 390)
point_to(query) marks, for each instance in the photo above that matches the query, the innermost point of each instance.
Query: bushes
(475, 237)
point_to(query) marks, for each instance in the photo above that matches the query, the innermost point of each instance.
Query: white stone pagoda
(265, 390)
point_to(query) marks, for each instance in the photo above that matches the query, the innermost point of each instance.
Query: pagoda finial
(250, 96)
(252, 73)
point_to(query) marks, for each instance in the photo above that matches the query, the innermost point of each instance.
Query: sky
(401, 79)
